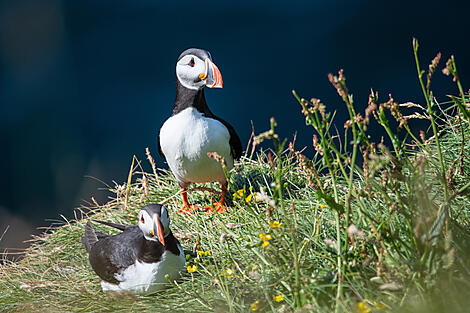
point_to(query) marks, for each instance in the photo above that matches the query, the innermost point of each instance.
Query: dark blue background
(84, 85)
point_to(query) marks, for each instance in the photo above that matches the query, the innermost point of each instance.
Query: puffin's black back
(109, 255)
(112, 254)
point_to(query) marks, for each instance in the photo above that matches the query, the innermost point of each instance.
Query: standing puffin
(193, 130)
(138, 258)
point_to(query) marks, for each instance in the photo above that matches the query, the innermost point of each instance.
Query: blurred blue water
(84, 85)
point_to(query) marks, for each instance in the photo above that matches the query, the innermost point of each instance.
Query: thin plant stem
(431, 117)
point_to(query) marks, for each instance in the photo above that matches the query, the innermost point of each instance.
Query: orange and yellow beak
(158, 226)
(212, 75)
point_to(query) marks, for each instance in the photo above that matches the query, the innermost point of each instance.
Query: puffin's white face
(195, 73)
(191, 72)
(155, 227)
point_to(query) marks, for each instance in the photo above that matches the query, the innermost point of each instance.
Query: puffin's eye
(142, 220)
(191, 62)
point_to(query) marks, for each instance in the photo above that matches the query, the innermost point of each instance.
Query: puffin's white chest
(185, 139)
(148, 277)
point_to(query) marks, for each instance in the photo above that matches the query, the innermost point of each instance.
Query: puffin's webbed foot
(217, 206)
(188, 209)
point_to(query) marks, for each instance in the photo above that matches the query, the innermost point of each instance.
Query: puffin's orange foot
(219, 208)
(187, 210)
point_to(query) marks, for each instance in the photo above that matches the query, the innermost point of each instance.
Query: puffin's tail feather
(89, 238)
(118, 226)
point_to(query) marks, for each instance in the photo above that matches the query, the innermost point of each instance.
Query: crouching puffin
(139, 258)
(193, 130)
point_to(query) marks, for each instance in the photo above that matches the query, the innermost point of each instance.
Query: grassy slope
(55, 274)
(383, 252)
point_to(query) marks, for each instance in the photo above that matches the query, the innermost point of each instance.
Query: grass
(360, 227)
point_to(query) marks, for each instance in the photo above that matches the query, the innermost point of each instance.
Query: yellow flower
(275, 224)
(228, 273)
(322, 206)
(239, 193)
(248, 199)
(255, 305)
(380, 306)
(192, 269)
(362, 308)
(201, 252)
(265, 237)
(278, 298)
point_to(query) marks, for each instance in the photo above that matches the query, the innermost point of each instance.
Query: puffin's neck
(187, 98)
(152, 251)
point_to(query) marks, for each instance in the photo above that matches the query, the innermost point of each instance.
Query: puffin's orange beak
(158, 225)
(213, 76)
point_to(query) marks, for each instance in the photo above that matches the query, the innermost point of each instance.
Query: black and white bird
(193, 130)
(138, 258)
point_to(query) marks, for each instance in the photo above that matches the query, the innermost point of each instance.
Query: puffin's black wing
(112, 254)
(91, 236)
(235, 142)
(159, 146)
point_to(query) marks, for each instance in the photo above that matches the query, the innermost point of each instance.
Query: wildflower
(265, 237)
(255, 305)
(239, 194)
(201, 252)
(362, 308)
(432, 68)
(379, 306)
(317, 145)
(275, 224)
(217, 157)
(450, 68)
(228, 273)
(278, 298)
(248, 199)
(322, 206)
(339, 82)
(192, 269)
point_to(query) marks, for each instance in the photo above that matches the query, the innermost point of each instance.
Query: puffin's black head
(195, 69)
(154, 222)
